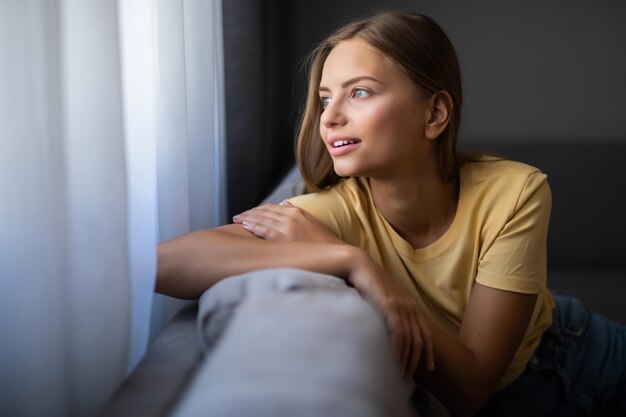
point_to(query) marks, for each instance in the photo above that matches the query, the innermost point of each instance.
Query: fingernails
(246, 224)
(236, 217)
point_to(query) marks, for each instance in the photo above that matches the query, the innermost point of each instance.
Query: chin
(344, 171)
(351, 169)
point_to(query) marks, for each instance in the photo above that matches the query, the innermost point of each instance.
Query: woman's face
(374, 116)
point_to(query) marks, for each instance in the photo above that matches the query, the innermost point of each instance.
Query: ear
(440, 105)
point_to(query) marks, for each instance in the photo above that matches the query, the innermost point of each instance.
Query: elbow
(474, 399)
(476, 389)
(180, 272)
(467, 394)
(162, 282)
(469, 409)
(168, 274)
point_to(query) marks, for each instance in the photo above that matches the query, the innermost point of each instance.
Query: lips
(340, 145)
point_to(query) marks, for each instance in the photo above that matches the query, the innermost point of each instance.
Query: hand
(410, 335)
(285, 222)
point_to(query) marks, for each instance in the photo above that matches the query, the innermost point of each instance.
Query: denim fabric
(578, 369)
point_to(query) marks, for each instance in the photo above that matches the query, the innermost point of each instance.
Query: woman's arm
(470, 365)
(189, 264)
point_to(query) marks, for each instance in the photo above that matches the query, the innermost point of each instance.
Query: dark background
(544, 82)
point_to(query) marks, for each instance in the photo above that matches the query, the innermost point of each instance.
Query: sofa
(229, 353)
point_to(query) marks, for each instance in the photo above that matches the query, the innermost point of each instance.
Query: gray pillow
(287, 342)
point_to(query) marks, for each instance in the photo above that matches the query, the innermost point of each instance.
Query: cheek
(403, 119)
(384, 121)
(373, 120)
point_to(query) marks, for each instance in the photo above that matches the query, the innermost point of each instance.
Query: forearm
(191, 263)
(471, 364)
(468, 365)
(457, 378)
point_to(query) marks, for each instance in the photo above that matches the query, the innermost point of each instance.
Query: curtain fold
(33, 252)
(138, 67)
(96, 212)
(172, 143)
(191, 166)
(205, 156)
(111, 140)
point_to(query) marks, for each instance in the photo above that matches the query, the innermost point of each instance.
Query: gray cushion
(287, 342)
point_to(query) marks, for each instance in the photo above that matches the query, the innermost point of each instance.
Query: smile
(340, 143)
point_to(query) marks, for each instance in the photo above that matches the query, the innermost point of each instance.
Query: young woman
(451, 250)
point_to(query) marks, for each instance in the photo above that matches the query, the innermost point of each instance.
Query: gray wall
(533, 71)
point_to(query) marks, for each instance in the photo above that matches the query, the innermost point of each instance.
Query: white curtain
(110, 141)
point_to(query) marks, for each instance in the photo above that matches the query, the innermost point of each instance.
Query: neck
(419, 207)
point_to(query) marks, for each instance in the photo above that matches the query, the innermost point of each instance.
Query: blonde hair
(420, 48)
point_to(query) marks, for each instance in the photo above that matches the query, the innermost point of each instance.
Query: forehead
(354, 58)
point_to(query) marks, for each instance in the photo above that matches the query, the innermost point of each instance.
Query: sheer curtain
(110, 141)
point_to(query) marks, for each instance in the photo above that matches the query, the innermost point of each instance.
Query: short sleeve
(329, 208)
(517, 258)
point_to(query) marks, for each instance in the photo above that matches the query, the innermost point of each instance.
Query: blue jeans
(579, 369)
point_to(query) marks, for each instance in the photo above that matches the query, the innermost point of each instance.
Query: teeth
(339, 143)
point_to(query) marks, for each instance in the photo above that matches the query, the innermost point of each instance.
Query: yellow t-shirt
(497, 238)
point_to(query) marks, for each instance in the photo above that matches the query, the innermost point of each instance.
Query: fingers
(402, 334)
(410, 336)
(416, 349)
(285, 222)
(400, 339)
(261, 230)
(268, 211)
(279, 213)
(269, 221)
(429, 349)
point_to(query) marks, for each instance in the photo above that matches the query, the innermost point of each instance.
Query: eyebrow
(352, 81)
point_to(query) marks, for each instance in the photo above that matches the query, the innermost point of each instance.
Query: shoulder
(495, 191)
(501, 179)
(485, 167)
(339, 206)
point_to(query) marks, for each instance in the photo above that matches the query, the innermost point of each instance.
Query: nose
(333, 115)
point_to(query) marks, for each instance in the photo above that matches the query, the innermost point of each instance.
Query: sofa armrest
(157, 382)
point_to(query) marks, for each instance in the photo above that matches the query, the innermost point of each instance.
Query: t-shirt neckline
(438, 247)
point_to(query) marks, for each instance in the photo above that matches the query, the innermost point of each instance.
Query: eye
(361, 93)
(325, 102)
